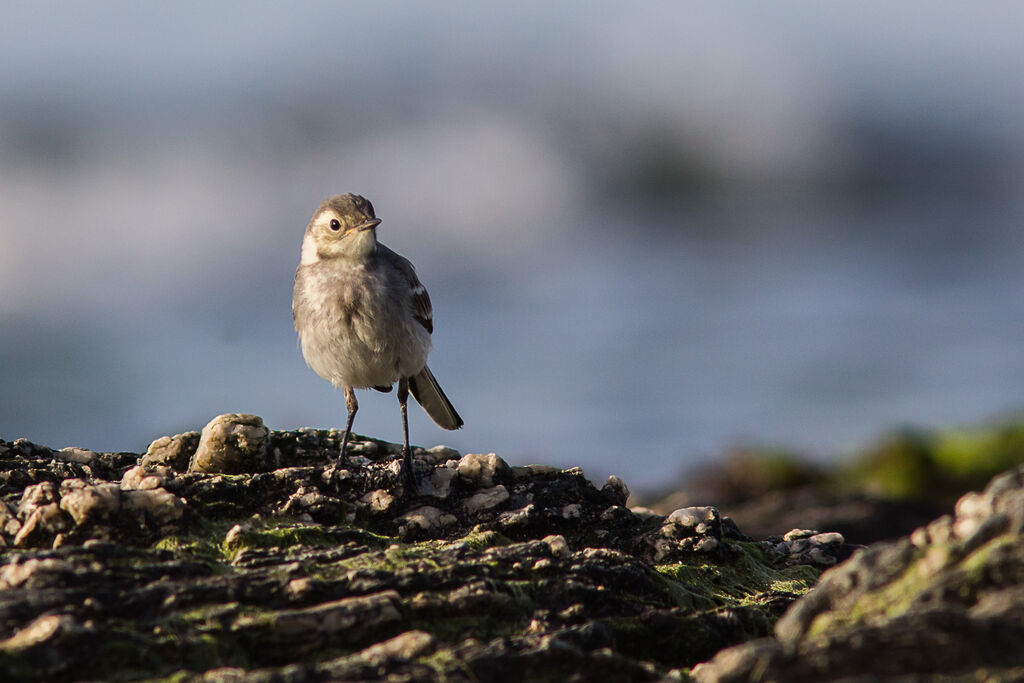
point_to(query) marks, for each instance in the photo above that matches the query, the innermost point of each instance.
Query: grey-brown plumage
(363, 318)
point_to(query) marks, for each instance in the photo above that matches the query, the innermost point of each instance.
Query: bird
(363, 318)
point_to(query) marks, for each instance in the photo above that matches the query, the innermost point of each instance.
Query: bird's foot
(334, 468)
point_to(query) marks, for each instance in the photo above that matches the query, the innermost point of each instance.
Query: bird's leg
(353, 405)
(403, 398)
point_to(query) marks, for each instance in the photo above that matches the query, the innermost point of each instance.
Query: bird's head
(343, 226)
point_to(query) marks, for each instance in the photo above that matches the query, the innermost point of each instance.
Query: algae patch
(742, 582)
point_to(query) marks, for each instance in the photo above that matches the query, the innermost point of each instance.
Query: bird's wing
(422, 309)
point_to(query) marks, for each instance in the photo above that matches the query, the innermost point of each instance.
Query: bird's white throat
(309, 252)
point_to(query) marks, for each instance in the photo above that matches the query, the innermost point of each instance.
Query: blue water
(648, 236)
(626, 346)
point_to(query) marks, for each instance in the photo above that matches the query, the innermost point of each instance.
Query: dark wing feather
(422, 310)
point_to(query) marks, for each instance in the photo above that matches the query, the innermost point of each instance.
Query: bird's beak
(369, 225)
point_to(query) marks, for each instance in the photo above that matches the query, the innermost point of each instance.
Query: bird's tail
(428, 394)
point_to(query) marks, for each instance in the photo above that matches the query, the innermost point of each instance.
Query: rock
(440, 454)
(426, 518)
(687, 531)
(616, 488)
(559, 548)
(86, 503)
(572, 511)
(146, 477)
(828, 538)
(38, 632)
(482, 471)
(171, 451)
(438, 483)
(42, 523)
(795, 534)
(860, 518)
(693, 521)
(406, 646)
(805, 546)
(333, 623)
(81, 456)
(34, 573)
(231, 443)
(36, 496)
(233, 538)
(486, 499)
(946, 602)
(9, 523)
(158, 505)
(378, 501)
(301, 568)
(527, 472)
(309, 500)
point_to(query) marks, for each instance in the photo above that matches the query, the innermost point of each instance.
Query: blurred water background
(650, 231)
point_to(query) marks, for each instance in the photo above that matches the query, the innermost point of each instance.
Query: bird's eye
(335, 225)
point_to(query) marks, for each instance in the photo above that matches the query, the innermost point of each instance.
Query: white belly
(373, 343)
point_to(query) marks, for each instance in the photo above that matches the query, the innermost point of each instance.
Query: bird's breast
(353, 328)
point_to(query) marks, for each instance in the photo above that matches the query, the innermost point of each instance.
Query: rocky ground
(242, 553)
(946, 603)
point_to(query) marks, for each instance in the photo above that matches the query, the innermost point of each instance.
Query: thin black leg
(403, 398)
(353, 405)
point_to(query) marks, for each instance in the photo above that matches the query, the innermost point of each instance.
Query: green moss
(282, 536)
(206, 539)
(740, 583)
(973, 456)
(444, 663)
(482, 540)
(397, 556)
(899, 467)
(978, 563)
(203, 540)
(935, 466)
(394, 558)
(897, 597)
(781, 468)
(889, 601)
(679, 587)
(732, 596)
